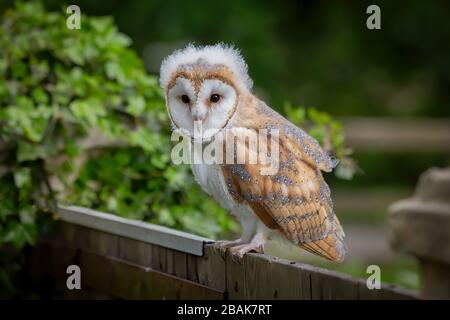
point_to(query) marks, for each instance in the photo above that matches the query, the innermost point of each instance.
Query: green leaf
(136, 105)
(27, 151)
(319, 117)
(40, 96)
(144, 138)
(27, 215)
(22, 177)
(166, 218)
(88, 110)
(19, 70)
(176, 177)
(296, 114)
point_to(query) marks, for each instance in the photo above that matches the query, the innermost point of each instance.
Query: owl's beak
(198, 117)
(199, 113)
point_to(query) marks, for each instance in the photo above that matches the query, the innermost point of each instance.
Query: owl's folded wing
(296, 200)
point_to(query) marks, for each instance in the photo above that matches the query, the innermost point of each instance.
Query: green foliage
(329, 133)
(63, 93)
(81, 122)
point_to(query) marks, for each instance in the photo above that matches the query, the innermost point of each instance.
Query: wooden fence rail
(376, 134)
(121, 258)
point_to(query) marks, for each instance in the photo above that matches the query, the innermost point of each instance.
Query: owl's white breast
(210, 178)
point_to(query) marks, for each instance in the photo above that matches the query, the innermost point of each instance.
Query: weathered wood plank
(99, 273)
(329, 286)
(211, 269)
(46, 263)
(102, 257)
(305, 284)
(135, 251)
(159, 259)
(235, 278)
(169, 261)
(268, 278)
(103, 243)
(177, 263)
(387, 292)
(263, 277)
(81, 237)
(73, 235)
(191, 266)
(131, 281)
(113, 277)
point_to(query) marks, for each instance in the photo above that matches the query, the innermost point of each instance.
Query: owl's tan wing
(296, 200)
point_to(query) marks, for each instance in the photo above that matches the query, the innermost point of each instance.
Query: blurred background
(389, 88)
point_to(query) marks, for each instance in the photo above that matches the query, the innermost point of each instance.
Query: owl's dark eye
(185, 99)
(214, 98)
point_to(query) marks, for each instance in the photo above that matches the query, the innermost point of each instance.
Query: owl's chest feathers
(210, 178)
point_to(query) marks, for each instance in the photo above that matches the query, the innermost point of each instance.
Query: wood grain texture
(115, 266)
(211, 269)
(135, 251)
(267, 279)
(236, 278)
(131, 281)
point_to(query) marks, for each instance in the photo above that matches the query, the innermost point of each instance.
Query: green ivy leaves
(82, 122)
(328, 132)
(72, 95)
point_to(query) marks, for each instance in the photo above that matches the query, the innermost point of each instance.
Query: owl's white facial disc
(179, 111)
(212, 106)
(220, 112)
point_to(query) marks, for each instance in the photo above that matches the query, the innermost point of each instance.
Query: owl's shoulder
(255, 114)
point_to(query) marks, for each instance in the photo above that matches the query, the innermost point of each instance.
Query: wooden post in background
(420, 226)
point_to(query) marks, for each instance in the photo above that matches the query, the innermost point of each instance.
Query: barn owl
(210, 86)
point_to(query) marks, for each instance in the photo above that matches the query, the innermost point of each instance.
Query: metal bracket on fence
(133, 229)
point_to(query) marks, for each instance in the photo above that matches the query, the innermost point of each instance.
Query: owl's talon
(222, 246)
(237, 257)
(238, 252)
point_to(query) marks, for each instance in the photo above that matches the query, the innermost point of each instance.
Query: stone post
(420, 226)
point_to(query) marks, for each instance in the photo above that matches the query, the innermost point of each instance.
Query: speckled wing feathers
(296, 200)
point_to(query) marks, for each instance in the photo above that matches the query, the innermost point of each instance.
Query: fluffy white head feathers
(219, 54)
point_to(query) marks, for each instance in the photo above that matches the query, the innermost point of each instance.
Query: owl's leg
(256, 244)
(248, 225)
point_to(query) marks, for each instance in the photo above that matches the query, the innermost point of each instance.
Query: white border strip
(134, 229)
